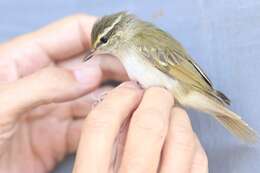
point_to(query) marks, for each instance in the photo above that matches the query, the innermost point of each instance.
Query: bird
(152, 57)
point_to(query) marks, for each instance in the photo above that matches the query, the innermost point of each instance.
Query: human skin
(46, 92)
(158, 139)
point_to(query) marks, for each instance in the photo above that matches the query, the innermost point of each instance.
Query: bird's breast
(140, 69)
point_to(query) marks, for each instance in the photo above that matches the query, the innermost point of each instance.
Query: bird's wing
(171, 58)
(168, 55)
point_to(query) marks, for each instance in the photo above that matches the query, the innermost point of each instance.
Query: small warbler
(154, 58)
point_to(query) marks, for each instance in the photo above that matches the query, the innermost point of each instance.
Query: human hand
(159, 138)
(46, 91)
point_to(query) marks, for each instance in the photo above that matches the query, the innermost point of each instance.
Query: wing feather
(171, 58)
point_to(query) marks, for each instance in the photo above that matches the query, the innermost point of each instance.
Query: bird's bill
(93, 52)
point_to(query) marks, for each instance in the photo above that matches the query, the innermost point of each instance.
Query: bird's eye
(104, 39)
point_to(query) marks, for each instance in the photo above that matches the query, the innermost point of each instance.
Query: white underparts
(141, 70)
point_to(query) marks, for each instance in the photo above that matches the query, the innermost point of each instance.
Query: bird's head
(110, 32)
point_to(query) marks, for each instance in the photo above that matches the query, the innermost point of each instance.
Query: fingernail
(130, 84)
(87, 75)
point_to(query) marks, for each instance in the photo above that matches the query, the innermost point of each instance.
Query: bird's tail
(238, 127)
(230, 120)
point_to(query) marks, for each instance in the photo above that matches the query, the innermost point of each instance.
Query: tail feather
(230, 120)
(238, 128)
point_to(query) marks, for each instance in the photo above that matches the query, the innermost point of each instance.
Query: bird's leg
(102, 96)
(138, 83)
(99, 99)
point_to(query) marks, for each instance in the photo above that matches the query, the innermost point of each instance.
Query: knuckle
(181, 122)
(56, 75)
(103, 110)
(97, 124)
(117, 97)
(100, 118)
(126, 92)
(184, 141)
(161, 93)
(121, 95)
(150, 122)
(51, 70)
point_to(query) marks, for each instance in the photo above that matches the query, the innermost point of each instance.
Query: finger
(60, 40)
(75, 109)
(73, 138)
(180, 144)
(200, 160)
(147, 130)
(110, 66)
(49, 85)
(81, 107)
(102, 126)
(73, 135)
(118, 148)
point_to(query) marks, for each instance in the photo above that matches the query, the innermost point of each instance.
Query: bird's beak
(89, 56)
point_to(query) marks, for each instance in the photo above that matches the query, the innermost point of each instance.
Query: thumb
(49, 85)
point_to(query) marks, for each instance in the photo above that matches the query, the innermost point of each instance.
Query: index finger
(57, 41)
(102, 126)
(147, 131)
(179, 147)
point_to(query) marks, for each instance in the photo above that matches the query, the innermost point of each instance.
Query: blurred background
(222, 36)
